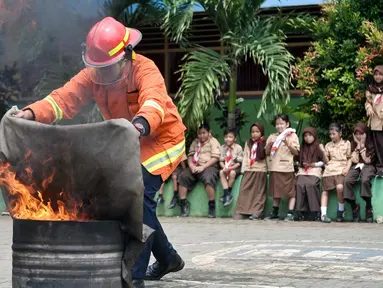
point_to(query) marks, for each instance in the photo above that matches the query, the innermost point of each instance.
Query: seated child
(252, 195)
(338, 159)
(311, 161)
(203, 157)
(363, 159)
(230, 162)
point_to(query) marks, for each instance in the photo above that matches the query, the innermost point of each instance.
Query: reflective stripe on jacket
(143, 94)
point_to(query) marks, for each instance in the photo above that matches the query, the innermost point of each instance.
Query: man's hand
(321, 147)
(345, 171)
(27, 114)
(139, 128)
(138, 133)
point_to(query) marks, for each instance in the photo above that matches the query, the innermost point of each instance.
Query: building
(251, 81)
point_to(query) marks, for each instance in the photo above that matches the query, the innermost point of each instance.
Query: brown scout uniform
(252, 196)
(236, 154)
(211, 149)
(281, 167)
(307, 184)
(376, 125)
(338, 155)
(366, 175)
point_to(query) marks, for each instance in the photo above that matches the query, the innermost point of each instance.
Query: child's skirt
(282, 185)
(252, 195)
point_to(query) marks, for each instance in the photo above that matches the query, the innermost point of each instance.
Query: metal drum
(67, 254)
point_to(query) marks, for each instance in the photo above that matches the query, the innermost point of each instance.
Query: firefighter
(127, 85)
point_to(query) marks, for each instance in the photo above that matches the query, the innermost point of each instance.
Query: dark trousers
(308, 194)
(377, 137)
(366, 175)
(162, 250)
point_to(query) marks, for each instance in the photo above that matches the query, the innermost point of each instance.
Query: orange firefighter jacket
(143, 94)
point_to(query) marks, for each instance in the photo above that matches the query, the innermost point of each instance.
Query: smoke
(43, 36)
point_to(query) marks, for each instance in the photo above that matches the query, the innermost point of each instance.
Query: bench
(199, 202)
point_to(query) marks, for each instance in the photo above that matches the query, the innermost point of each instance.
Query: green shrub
(335, 71)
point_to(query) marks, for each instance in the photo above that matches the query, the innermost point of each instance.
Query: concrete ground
(226, 253)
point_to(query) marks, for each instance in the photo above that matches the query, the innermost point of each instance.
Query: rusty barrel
(67, 254)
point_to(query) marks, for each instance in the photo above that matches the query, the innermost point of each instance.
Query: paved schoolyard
(226, 253)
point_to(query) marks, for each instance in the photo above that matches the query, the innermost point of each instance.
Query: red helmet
(107, 44)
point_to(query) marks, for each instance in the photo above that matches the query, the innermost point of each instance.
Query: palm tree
(136, 13)
(245, 34)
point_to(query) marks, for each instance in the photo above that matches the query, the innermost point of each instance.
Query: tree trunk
(231, 106)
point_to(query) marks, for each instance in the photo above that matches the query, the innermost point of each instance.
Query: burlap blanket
(97, 164)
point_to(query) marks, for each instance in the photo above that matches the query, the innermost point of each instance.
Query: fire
(26, 202)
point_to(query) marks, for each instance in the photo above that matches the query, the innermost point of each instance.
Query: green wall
(250, 106)
(199, 202)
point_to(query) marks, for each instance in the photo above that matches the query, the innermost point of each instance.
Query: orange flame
(24, 205)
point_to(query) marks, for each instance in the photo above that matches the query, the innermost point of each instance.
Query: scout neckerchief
(280, 138)
(228, 161)
(198, 151)
(253, 152)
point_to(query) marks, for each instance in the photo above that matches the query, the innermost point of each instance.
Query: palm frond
(201, 75)
(252, 7)
(267, 48)
(291, 22)
(135, 13)
(116, 8)
(177, 20)
(228, 15)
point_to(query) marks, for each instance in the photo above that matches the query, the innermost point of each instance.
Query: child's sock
(229, 190)
(211, 203)
(323, 210)
(226, 192)
(175, 194)
(341, 207)
(182, 202)
(290, 212)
